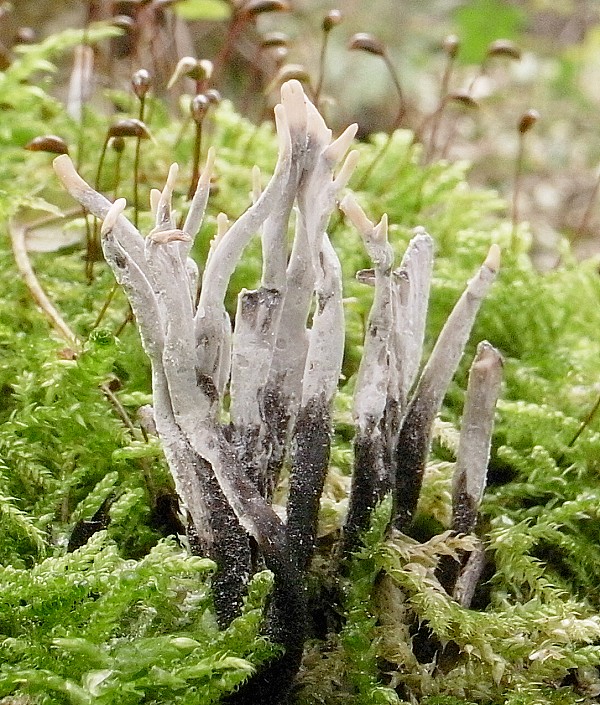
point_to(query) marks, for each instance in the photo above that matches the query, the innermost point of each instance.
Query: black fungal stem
(309, 463)
(410, 458)
(367, 488)
(415, 435)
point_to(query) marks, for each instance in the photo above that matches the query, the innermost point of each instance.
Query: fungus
(279, 366)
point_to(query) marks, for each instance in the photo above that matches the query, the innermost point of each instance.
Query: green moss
(127, 617)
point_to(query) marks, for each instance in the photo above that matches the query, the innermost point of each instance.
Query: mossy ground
(127, 617)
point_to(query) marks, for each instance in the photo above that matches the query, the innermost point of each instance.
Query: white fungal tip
(154, 201)
(352, 210)
(487, 357)
(348, 167)
(222, 225)
(207, 172)
(62, 161)
(293, 101)
(66, 172)
(172, 176)
(381, 229)
(420, 238)
(492, 261)
(111, 217)
(163, 237)
(340, 146)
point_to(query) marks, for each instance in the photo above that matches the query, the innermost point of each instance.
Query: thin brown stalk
(17, 236)
(136, 166)
(119, 408)
(585, 423)
(333, 18)
(196, 160)
(515, 216)
(134, 431)
(92, 235)
(105, 305)
(526, 122)
(128, 319)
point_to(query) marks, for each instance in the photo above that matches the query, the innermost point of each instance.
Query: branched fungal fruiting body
(470, 475)
(280, 371)
(415, 434)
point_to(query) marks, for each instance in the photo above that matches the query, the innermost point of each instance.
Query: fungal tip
(111, 217)
(492, 261)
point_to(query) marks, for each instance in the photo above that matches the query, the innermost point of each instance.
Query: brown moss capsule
(117, 144)
(451, 45)
(192, 68)
(463, 98)
(504, 47)
(274, 39)
(528, 120)
(287, 73)
(199, 107)
(364, 41)
(332, 19)
(258, 7)
(25, 35)
(48, 143)
(214, 96)
(140, 82)
(123, 22)
(129, 127)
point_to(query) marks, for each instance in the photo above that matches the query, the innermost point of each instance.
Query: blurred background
(459, 74)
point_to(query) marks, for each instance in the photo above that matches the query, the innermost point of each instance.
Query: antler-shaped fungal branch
(371, 478)
(468, 483)
(415, 434)
(279, 371)
(224, 474)
(393, 426)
